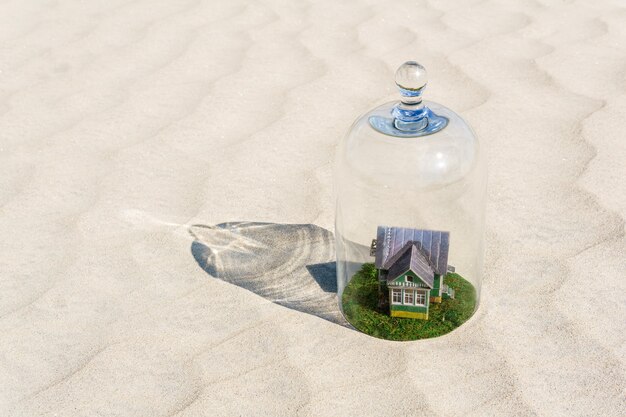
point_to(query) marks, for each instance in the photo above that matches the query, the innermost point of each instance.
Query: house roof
(433, 244)
(410, 257)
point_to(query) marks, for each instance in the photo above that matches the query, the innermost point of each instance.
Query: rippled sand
(128, 129)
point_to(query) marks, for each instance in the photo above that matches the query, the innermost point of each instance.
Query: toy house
(412, 265)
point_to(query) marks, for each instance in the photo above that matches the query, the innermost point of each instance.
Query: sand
(128, 129)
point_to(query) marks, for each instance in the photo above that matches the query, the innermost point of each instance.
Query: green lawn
(360, 307)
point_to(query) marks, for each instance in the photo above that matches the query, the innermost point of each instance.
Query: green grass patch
(360, 307)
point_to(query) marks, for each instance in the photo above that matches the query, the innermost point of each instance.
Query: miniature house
(412, 265)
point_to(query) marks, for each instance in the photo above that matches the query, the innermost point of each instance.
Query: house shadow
(292, 265)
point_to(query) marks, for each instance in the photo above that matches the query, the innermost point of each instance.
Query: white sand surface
(129, 127)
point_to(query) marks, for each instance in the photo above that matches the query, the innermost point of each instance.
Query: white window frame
(393, 292)
(421, 294)
(412, 294)
(412, 278)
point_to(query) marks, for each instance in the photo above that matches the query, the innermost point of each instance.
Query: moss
(360, 307)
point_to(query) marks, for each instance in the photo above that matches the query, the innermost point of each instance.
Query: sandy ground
(129, 127)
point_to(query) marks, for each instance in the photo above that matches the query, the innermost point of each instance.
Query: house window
(409, 278)
(396, 296)
(420, 298)
(408, 296)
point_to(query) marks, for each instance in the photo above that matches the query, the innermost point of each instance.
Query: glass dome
(410, 191)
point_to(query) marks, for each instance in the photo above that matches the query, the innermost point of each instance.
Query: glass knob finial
(411, 78)
(410, 117)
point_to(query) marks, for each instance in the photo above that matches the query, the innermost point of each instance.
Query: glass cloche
(410, 199)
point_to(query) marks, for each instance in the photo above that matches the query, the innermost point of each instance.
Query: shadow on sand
(288, 264)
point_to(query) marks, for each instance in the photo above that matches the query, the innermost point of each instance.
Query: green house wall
(402, 279)
(437, 283)
(417, 309)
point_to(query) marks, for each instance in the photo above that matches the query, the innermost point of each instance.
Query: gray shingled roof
(434, 245)
(410, 257)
